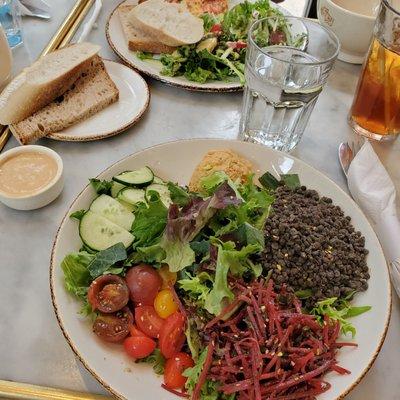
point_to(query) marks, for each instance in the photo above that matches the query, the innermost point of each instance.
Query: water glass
(10, 21)
(288, 60)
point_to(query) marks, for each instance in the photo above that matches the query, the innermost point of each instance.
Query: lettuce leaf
(150, 221)
(101, 187)
(178, 195)
(76, 274)
(236, 262)
(105, 259)
(183, 225)
(197, 287)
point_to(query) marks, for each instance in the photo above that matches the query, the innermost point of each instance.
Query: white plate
(116, 40)
(134, 97)
(176, 161)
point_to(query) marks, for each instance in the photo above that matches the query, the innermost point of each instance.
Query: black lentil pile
(312, 246)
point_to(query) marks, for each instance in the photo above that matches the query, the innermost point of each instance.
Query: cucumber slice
(115, 188)
(112, 210)
(162, 190)
(157, 179)
(129, 207)
(99, 233)
(138, 178)
(132, 195)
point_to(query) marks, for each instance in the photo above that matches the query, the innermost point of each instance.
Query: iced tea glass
(375, 111)
(284, 80)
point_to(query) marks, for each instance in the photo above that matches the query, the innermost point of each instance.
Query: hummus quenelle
(26, 173)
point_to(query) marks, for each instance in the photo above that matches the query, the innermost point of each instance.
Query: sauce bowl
(43, 195)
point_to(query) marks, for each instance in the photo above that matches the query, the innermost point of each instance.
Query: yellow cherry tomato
(164, 303)
(168, 277)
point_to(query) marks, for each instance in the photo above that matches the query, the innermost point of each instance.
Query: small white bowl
(352, 25)
(43, 196)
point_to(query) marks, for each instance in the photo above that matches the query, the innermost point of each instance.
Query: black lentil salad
(312, 247)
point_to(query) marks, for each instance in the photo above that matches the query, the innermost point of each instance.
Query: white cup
(6, 60)
(353, 22)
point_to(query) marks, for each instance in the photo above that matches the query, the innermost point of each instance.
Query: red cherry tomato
(108, 293)
(135, 332)
(172, 335)
(241, 45)
(113, 327)
(139, 346)
(143, 282)
(216, 28)
(174, 367)
(148, 321)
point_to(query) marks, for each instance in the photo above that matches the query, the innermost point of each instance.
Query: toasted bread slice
(91, 93)
(45, 80)
(171, 23)
(138, 40)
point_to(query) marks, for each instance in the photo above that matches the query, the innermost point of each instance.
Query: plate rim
(190, 87)
(58, 136)
(298, 160)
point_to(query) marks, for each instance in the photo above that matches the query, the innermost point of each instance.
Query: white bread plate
(134, 98)
(117, 42)
(125, 379)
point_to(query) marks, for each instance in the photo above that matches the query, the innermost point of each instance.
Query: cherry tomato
(135, 332)
(241, 45)
(139, 346)
(168, 277)
(113, 327)
(174, 367)
(164, 303)
(143, 282)
(172, 335)
(216, 28)
(108, 293)
(148, 321)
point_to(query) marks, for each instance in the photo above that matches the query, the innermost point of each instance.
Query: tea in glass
(375, 110)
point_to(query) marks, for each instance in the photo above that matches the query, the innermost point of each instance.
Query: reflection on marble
(32, 347)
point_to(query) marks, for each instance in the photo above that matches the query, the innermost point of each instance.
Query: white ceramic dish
(134, 98)
(43, 196)
(153, 68)
(176, 161)
(353, 22)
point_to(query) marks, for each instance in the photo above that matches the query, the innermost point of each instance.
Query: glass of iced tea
(375, 112)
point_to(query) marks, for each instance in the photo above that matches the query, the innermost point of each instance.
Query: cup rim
(39, 149)
(390, 7)
(352, 13)
(309, 21)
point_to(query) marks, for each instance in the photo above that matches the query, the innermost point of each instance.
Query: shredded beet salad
(270, 349)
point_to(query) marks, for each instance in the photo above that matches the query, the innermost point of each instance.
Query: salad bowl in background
(152, 68)
(118, 373)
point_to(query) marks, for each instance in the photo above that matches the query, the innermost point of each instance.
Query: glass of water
(10, 21)
(288, 60)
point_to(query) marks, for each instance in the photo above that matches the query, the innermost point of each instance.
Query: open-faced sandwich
(57, 91)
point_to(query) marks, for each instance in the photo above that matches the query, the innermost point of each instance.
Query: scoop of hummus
(234, 165)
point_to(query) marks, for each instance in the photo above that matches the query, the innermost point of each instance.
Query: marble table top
(32, 348)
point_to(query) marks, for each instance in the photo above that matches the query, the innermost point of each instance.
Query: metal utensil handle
(15, 390)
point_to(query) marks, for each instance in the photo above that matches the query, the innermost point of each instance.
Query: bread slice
(91, 93)
(171, 23)
(45, 80)
(138, 40)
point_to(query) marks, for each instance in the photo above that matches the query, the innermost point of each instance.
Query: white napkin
(91, 22)
(373, 190)
(39, 4)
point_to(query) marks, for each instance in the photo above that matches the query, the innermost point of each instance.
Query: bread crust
(48, 119)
